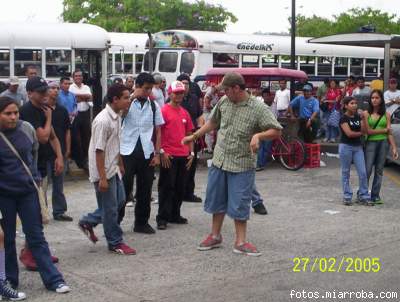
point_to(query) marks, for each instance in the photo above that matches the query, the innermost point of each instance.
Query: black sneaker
(179, 220)
(194, 199)
(145, 229)
(260, 209)
(161, 225)
(6, 292)
(63, 217)
(347, 202)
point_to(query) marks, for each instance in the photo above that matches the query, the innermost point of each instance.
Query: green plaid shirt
(237, 123)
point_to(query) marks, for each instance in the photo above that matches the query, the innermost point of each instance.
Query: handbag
(334, 118)
(42, 197)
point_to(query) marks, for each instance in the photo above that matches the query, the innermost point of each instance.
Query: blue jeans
(263, 152)
(375, 155)
(355, 154)
(256, 198)
(333, 132)
(28, 209)
(108, 206)
(59, 203)
(229, 192)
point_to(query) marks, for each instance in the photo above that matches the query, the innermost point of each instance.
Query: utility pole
(293, 46)
(151, 47)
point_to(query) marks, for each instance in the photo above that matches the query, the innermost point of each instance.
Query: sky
(253, 15)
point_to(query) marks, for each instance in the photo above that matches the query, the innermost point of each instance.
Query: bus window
(269, 60)
(324, 66)
(307, 64)
(118, 63)
(250, 61)
(187, 63)
(285, 61)
(356, 66)
(138, 62)
(4, 63)
(225, 60)
(128, 62)
(341, 66)
(168, 61)
(25, 57)
(109, 64)
(382, 67)
(146, 61)
(371, 68)
(58, 63)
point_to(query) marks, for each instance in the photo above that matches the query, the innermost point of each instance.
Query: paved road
(306, 219)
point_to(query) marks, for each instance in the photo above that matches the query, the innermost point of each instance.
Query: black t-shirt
(192, 105)
(61, 123)
(36, 117)
(355, 125)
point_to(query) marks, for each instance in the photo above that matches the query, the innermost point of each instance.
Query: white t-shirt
(84, 89)
(391, 95)
(159, 97)
(282, 99)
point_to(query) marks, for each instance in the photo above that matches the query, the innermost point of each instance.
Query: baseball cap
(176, 87)
(14, 81)
(36, 84)
(307, 87)
(393, 81)
(231, 79)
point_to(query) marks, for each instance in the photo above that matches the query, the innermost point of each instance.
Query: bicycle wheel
(292, 154)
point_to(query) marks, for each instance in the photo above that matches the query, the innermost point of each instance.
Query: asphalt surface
(306, 219)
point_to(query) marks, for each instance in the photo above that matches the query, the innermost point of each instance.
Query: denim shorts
(229, 192)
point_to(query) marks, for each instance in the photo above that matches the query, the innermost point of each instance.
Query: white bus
(126, 53)
(56, 50)
(194, 52)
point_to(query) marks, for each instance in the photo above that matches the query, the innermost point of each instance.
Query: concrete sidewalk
(306, 219)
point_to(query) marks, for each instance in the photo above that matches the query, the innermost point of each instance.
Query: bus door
(90, 63)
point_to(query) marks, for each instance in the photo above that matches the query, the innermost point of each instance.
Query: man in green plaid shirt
(242, 122)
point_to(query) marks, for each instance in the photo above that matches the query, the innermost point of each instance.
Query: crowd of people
(143, 125)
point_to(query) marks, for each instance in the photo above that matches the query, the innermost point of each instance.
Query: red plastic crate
(313, 155)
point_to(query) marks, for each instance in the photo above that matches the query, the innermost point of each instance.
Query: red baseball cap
(176, 87)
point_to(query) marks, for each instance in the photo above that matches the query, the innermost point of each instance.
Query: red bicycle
(290, 152)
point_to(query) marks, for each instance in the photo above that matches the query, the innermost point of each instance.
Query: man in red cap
(176, 158)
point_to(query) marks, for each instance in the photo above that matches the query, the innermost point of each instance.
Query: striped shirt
(106, 129)
(237, 123)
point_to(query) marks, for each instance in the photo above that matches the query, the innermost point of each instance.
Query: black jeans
(171, 187)
(80, 138)
(190, 178)
(136, 164)
(307, 134)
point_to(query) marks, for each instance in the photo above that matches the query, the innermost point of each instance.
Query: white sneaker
(129, 204)
(62, 288)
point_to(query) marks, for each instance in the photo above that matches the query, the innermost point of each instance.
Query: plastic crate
(313, 155)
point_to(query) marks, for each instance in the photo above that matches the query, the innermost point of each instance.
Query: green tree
(143, 15)
(348, 22)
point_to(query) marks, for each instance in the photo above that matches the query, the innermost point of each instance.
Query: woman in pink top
(332, 99)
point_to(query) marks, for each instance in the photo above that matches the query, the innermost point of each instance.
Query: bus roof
(53, 35)
(207, 41)
(254, 76)
(130, 42)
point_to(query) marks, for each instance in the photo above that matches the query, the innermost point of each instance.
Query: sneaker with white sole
(8, 293)
(123, 249)
(211, 242)
(62, 288)
(246, 249)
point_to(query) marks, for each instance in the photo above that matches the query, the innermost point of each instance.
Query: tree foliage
(347, 22)
(144, 15)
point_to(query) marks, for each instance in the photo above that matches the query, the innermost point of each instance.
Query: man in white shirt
(157, 92)
(81, 126)
(392, 96)
(282, 99)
